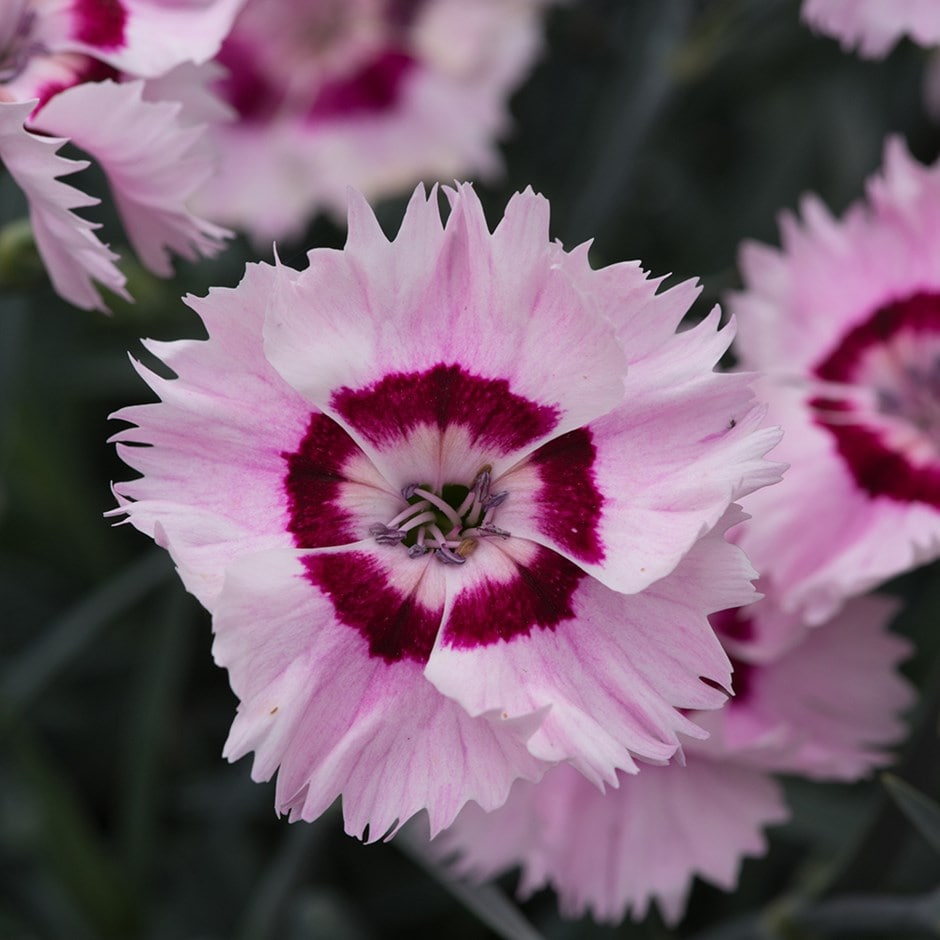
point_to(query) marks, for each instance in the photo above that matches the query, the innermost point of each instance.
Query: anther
(449, 556)
(386, 536)
(497, 499)
(466, 548)
(409, 490)
(481, 485)
(487, 529)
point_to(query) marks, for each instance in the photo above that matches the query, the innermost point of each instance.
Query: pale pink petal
(874, 26)
(380, 306)
(266, 183)
(74, 257)
(145, 38)
(43, 76)
(335, 720)
(154, 162)
(612, 855)
(827, 708)
(760, 632)
(615, 669)
(191, 86)
(214, 469)
(663, 467)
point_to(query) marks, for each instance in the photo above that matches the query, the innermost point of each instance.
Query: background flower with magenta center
(845, 319)
(376, 94)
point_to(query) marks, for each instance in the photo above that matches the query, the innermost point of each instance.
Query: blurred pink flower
(824, 709)
(376, 94)
(874, 26)
(845, 321)
(826, 705)
(457, 503)
(118, 79)
(613, 854)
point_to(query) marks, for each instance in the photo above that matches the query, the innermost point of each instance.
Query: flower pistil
(447, 524)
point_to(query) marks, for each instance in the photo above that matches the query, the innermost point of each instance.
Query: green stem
(157, 687)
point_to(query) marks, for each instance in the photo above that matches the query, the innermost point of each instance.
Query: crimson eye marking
(881, 401)
(445, 396)
(100, 23)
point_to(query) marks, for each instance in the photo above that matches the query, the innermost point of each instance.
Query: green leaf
(157, 687)
(69, 841)
(33, 670)
(20, 264)
(923, 813)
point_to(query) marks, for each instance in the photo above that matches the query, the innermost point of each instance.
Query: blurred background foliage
(667, 129)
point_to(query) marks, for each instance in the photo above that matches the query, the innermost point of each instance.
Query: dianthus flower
(117, 78)
(874, 26)
(377, 94)
(456, 503)
(825, 708)
(845, 319)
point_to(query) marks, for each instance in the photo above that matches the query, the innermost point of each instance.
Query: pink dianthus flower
(457, 505)
(874, 26)
(377, 94)
(120, 80)
(825, 708)
(845, 321)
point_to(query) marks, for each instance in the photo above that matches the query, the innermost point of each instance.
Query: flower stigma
(449, 523)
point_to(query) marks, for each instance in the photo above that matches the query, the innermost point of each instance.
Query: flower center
(448, 523)
(881, 399)
(16, 47)
(914, 397)
(296, 48)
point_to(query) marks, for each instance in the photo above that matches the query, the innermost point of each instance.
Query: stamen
(490, 529)
(449, 557)
(418, 520)
(408, 510)
(481, 484)
(420, 524)
(439, 538)
(468, 501)
(497, 499)
(486, 530)
(476, 511)
(444, 507)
